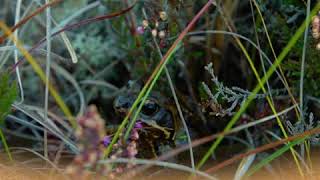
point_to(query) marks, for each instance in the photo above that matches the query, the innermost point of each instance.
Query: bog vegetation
(139, 88)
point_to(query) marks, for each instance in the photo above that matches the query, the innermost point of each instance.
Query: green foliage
(8, 93)
(312, 68)
(281, 18)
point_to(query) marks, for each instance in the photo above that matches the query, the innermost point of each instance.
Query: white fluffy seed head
(162, 34)
(145, 23)
(163, 15)
(318, 46)
(316, 27)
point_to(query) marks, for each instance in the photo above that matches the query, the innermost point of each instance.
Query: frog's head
(155, 109)
(152, 111)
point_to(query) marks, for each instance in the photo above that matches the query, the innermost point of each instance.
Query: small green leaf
(8, 93)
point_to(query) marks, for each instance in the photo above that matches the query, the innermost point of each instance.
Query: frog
(152, 113)
(158, 116)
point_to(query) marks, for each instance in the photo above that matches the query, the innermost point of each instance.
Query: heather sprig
(124, 150)
(234, 95)
(92, 140)
(302, 126)
(89, 135)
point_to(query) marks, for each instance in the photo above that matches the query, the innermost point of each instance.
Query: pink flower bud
(134, 135)
(140, 30)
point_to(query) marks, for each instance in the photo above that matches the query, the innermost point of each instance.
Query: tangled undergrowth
(122, 89)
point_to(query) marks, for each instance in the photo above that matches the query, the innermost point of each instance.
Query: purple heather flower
(106, 141)
(140, 30)
(138, 125)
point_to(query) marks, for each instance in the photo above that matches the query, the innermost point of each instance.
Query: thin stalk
(16, 55)
(303, 62)
(48, 64)
(157, 163)
(258, 44)
(5, 144)
(175, 99)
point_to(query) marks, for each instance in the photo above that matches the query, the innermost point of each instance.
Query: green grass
(8, 94)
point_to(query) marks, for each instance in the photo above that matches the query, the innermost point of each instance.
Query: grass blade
(274, 155)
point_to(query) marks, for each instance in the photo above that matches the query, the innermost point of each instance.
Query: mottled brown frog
(159, 119)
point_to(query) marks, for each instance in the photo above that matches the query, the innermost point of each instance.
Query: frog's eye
(149, 108)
